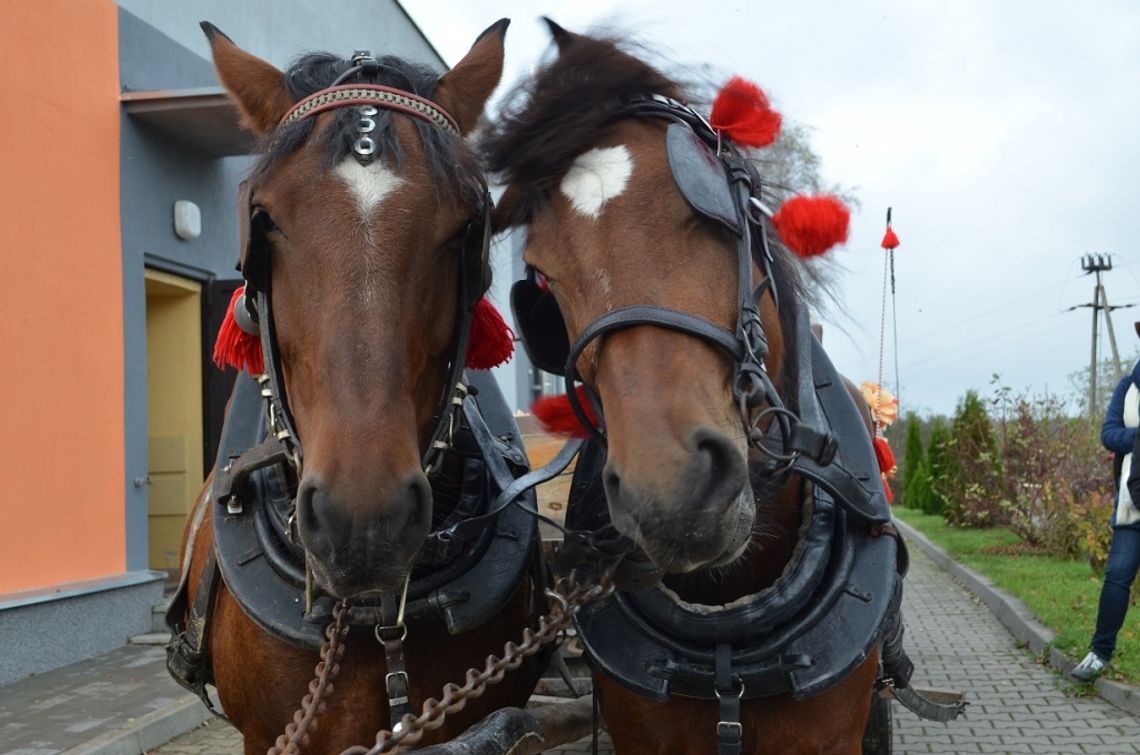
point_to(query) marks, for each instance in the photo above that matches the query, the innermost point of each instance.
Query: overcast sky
(1006, 135)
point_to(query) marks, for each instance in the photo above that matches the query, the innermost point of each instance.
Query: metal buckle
(724, 728)
(392, 698)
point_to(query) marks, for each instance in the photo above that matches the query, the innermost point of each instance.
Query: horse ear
(465, 89)
(255, 86)
(505, 214)
(561, 37)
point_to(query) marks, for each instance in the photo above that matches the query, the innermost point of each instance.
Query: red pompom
(557, 418)
(742, 113)
(890, 240)
(809, 226)
(492, 341)
(236, 348)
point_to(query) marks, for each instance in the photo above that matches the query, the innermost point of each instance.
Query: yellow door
(174, 410)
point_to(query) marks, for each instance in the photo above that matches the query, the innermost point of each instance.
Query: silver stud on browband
(365, 146)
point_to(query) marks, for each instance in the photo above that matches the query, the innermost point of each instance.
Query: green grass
(1062, 594)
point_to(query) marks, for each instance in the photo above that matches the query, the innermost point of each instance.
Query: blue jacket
(1118, 438)
(1113, 434)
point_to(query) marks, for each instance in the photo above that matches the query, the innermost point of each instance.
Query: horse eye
(262, 217)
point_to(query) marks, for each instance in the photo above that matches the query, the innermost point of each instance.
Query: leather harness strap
(729, 691)
(188, 651)
(396, 680)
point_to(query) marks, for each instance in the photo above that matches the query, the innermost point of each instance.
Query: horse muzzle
(700, 517)
(357, 547)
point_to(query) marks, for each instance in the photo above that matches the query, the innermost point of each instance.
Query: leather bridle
(746, 345)
(473, 275)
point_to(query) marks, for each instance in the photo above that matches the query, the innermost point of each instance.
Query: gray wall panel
(163, 48)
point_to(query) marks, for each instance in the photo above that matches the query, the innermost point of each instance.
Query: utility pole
(1111, 333)
(1097, 264)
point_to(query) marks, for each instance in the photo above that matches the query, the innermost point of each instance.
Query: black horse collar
(834, 619)
(816, 623)
(462, 582)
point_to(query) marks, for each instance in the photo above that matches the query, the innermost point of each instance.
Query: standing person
(1118, 434)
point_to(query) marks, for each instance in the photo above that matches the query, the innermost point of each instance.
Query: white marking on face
(369, 184)
(596, 177)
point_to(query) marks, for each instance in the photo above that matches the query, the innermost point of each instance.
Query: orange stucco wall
(61, 320)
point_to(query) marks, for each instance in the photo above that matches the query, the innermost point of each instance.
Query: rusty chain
(296, 736)
(567, 595)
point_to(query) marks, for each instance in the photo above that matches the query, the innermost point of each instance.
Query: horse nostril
(717, 451)
(719, 471)
(316, 512)
(420, 500)
(611, 481)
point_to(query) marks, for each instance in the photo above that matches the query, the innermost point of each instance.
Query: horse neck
(774, 536)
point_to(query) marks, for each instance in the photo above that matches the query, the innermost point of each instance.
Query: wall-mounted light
(187, 220)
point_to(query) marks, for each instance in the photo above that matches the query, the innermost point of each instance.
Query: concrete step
(151, 638)
(158, 614)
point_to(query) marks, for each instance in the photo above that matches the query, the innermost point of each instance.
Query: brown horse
(363, 259)
(646, 277)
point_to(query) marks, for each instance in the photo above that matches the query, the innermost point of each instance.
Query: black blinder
(254, 261)
(700, 176)
(541, 326)
(477, 255)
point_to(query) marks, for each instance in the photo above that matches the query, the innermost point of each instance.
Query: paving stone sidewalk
(218, 738)
(1017, 705)
(78, 704)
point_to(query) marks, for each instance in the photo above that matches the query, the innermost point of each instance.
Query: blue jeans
(1123, 561)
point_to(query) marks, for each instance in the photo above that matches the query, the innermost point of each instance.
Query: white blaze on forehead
(596, 177)
(368, 184)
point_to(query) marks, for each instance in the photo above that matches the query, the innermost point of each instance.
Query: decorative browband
(371, 94)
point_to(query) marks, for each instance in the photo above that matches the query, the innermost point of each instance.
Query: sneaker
(1088, 669)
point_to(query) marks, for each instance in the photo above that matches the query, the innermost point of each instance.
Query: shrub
(972, 482)
(913, 457)
(936, 470)
(1059, 489)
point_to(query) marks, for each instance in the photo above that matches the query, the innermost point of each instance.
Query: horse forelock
(452, 164)
(559, 113)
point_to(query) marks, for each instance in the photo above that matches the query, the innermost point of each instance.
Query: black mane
(562, 111)
(449, 160)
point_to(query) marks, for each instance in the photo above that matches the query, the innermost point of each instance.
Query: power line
(979, 315)
(992, 349)
(974, 343)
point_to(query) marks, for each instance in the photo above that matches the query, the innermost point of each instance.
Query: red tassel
(809, 226)
(883, 454)
(887, 489)
(236, 348)
(742, 113)
(886, 459)
(492, 342)
(557, 418)
(890, 240)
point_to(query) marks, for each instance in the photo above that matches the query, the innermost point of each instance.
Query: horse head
(646, 288)
(360, 217)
